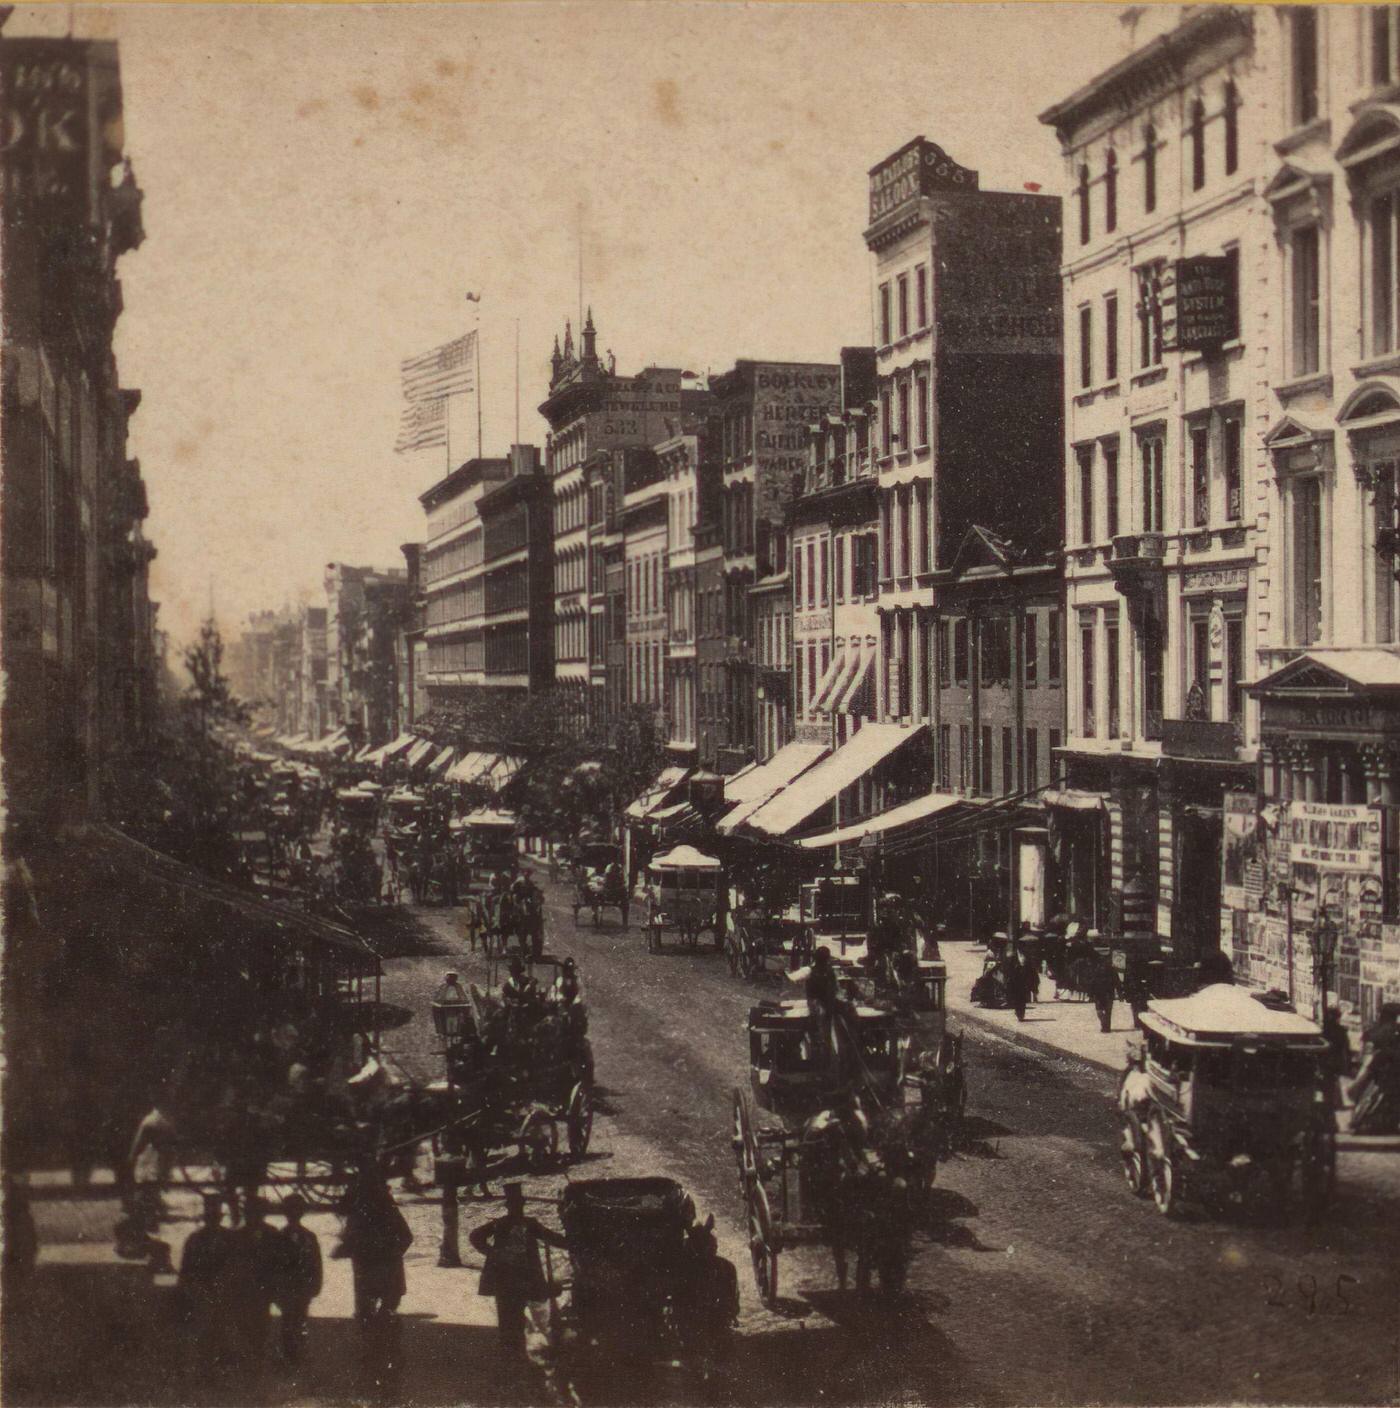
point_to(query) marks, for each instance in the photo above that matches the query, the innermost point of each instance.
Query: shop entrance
(1196, 840)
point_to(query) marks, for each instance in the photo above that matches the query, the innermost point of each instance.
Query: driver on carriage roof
(520, 988)
(451, 989)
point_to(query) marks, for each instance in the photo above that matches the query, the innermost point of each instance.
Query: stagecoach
(487, 841)
(834, 911)
(1231, 1094)
(685, 893)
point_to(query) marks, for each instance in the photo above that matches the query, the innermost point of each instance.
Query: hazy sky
(324, 184)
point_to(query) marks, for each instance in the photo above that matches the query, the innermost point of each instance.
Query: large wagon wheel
(1164, 1169)
(1132, 1150)
(763, 1250)
(745, 1144)
(580, 1120)
(539, 1140)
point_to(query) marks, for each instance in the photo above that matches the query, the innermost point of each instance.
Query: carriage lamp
(451, 1020)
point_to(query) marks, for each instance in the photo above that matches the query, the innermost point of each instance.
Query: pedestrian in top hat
(203, 1289)
(513, 1272)
(252, 1272)
(375, 1239)
(300, 1280)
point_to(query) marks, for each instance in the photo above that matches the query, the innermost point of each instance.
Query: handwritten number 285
(1307, 1294)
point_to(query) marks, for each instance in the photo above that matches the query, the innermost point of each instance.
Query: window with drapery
(1110, 192)
(1304, 523)
(1383, 305)
(1196, 137)
(1150, 452)
(1305, 296)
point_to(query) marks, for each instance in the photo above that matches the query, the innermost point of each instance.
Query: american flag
(422, 425)
(445, 371)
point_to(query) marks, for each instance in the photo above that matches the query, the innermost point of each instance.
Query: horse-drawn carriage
(1229, 1093)
(685, 893)
(646, 1278)
(755, 936)
(356, 809)
(515, 1072)
(356, 873)
(486, 843)
(599, 881)
(850, 1164)
(834, 911)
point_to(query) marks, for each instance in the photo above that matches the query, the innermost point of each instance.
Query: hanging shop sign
(1199, 303)
(1335, 837)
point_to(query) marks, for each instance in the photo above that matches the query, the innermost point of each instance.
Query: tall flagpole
(517, 381)
(478, 377)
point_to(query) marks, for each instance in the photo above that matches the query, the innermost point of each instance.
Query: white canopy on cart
(684, 858)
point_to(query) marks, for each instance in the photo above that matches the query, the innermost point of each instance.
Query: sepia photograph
(699, 704)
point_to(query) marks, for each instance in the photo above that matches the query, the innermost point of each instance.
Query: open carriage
(755, 937)
(685, 894)
(1231, 1096)
(599, 881)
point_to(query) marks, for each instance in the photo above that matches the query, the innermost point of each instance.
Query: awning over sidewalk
(749, 790)
(1073, 799)
(439, 764)
(901, 815)
(830, 681)
(657, 794)
(813, 790)
(846, 698)
(420, 751)
(470, 767)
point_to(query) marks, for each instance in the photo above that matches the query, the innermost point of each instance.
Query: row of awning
(841, 689)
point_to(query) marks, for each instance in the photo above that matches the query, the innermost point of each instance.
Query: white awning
(470, 766)
(751, 790)
(502, 770)
(1072, 799)
(442, 760)
(901, 815)
(419, 751)
(845, 701)
(392, 750)
(655, 795)
(813, 790)
(828, 682)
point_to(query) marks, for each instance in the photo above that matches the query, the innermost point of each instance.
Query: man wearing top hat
(513, 1272)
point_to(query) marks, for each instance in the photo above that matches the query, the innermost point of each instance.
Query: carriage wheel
(1134, 1159)
(580, 1120)
(1163, 1169)
(745, 1145)
(762, 1251)
(539, 1140)
(1318, 1169)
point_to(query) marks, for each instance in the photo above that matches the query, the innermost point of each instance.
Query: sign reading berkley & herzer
(918, 168)
(1337, 837)
(1199, 299)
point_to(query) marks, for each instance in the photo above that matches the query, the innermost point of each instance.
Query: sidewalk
(94, 1328)
(1067, 1027)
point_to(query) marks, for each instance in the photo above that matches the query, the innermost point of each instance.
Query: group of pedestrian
(231, 1277)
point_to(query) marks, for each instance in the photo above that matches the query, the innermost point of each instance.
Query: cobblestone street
(1046, 1283)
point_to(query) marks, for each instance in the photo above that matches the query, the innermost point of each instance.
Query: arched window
(1149, 169)
(1232, 129)
(1110, 193)
(1083, 205)
(1198, 144)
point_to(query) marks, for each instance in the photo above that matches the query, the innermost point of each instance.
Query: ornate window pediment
(1300, 191)
(1297, 447)
(1374, 134)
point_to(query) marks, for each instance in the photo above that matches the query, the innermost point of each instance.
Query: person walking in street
(1018, 984)
(375, 1239)
(513, 1273)
(299, 1281)
(202, 1284)
(1103, 984)
(152, 1149)
(252, 1273)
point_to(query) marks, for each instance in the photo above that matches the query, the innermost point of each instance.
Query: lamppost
(1322, 942)
(870, 859)
(453, 1021)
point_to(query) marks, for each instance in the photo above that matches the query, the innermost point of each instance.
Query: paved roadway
(1045, 1282)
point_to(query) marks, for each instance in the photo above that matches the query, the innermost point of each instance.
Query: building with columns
(1171, 305)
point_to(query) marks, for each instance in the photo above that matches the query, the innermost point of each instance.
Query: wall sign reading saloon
(918, 168)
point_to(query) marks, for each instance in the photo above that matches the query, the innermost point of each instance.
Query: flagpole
(517, 381)
(478, 379)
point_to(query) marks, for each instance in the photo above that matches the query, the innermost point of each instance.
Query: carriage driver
(520, 990)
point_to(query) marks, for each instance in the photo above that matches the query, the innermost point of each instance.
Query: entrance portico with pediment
(1330, 728)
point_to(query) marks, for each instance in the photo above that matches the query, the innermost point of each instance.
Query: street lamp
(1322, 942)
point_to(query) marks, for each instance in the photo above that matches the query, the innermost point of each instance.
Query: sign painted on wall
(787, 398)
(918, 168)
(1337, 837)
(1241, 844)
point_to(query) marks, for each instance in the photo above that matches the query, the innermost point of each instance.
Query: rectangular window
(1084, 454)
(1200, 474)
(985, 784)
(811, 574)
(1056, 740)
(1086, 346)
(945, 651)
(903, 500)
(1384, 211)
(1305, 287)
(1149, 169)
(1304, 65)
(960, 651)
(797, 574)
(885, 337)
(964, 760)
(1110, 487)
(1110, 337)
(839, 575)
(1083, 195)
(822, 598)
(904, 305)
(1029, 661)
(1234, 668)
(1200, 656)
(1149, 316)
(921, 408)
(1030, 772)
(887, 535)
(1306, 526)
(1385, 31)
(1230, 448)
(1150, 447)
(1008, 764)
(1086, 676)
(922, 496)
(1052, 645)
(921, 294)
(945, 759)
(903, 628)
(1197, 135)
(1111, 665)
(886, 425)
(1232, 129)
(1110, 192)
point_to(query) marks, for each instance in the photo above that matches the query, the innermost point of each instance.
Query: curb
(1036, 1044)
